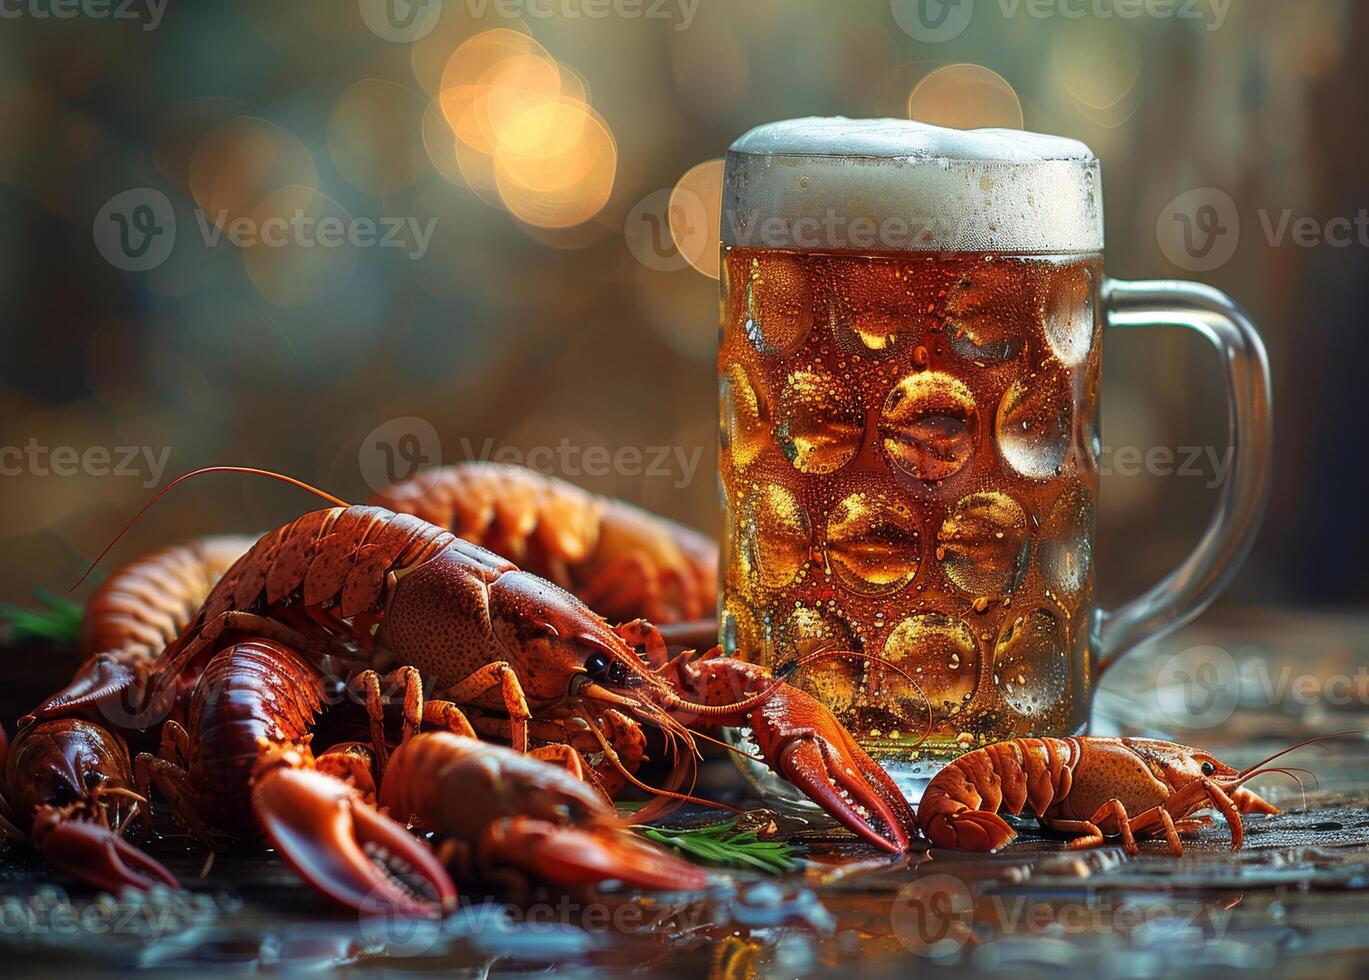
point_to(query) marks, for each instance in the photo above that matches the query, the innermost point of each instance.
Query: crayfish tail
(969, 830)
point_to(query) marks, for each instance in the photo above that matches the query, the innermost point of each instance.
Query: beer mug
(908, 369)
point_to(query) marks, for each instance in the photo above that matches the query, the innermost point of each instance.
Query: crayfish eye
(63, 793)
(597, 666)
(1208, 769)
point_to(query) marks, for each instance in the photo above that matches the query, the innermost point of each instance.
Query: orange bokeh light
(965, 97)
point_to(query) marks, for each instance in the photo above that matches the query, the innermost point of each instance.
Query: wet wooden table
(1294, 902)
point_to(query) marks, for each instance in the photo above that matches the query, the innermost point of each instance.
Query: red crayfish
(1089, 788)
(376, 596)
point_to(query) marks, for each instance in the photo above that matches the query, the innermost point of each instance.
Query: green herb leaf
(58, 621)
(721, 844)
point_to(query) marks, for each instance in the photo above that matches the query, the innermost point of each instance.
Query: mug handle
(1191, 587)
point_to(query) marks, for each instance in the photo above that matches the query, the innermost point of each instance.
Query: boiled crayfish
(623, 562)
(69, 789)
(377, 597)
(243, 768)
(1089, 788)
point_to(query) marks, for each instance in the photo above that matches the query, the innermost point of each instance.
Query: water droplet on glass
(1066, 547)
(834, 680)
(1031, 651)
(775, 536)
(1034, 422)
(873, 543)
(928, 425)
(873, 311)
(744, 432)
(1069, 319)
(991, 311)
(983, 545)
(946, 657)
(779, 303)
(820, 421)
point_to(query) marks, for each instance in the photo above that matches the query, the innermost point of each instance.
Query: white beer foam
(894, 184)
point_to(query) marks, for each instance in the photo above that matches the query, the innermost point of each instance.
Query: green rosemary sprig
(722, 844)
(58, 620)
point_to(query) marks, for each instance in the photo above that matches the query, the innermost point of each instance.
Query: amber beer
(908, 461)
(908, 438)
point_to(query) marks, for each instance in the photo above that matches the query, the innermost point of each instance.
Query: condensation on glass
(908, 399)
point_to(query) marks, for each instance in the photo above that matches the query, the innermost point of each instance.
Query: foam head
(897, 185)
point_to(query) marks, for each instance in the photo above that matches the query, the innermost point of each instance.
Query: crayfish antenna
(250, 470)
(1250, 772)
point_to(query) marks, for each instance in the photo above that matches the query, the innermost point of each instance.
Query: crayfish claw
(346, 849)
(841, 785)
(803, 741)
(96, 855)
(572, 857)
(99, 679)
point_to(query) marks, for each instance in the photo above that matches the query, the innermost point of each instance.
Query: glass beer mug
(909, 364)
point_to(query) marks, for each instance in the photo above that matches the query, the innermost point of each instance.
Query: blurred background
(339, 238)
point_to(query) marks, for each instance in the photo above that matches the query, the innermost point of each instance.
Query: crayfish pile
(437, 660)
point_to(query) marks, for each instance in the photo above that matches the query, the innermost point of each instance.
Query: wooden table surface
(1293, 902)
